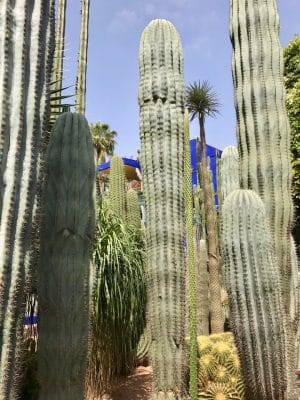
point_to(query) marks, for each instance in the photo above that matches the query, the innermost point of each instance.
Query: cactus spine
(257, 314)
(229, 172)
(82, 57)
(63, 276)
(27, 32)
(263, 128)
(190, 260)
(133, 214)
(117, 187)
(202, 287)
(161, 101)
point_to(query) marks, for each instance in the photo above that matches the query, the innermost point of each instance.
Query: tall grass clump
(119, 300)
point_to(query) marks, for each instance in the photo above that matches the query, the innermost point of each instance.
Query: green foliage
(219, 368)
(119, 300)
(292, 84)
(201, 100)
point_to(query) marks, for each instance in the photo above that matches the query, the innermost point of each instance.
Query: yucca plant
(119, 300)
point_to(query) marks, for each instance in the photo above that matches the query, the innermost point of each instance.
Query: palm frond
(201, 100)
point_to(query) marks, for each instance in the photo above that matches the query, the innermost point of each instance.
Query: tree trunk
(217, 323)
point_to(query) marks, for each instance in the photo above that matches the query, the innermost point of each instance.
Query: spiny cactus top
(161, 100)
(26, 51)
(263, 128)
(229, 171)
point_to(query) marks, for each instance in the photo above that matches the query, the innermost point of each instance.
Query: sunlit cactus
(229, 172)
(161, 101)
(133, 213)
(117, 187)
(256, 310)
(26, 53)
(67, 233)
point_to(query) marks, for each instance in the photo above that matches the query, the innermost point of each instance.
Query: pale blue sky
(112, 75)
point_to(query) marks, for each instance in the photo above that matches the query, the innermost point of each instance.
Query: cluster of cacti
(256, 240)
(161, 101)
(117, 187)
(82, 57)
(219, 368)
(26, 50)
(258, 318)
(67, 233)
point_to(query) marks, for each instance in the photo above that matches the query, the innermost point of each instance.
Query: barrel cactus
(257, 314)
(161, 101)
(63, 276)
(26, 51)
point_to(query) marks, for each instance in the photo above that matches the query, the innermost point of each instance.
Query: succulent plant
(67, 233)
(133, 213)
(256, 310)
(229, 172)
(117, 187)
(26, 51)
(161, 101)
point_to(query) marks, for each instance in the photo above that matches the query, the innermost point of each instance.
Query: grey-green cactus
(63, 275)
(82, 57)
(57, 74)
(161, 101)
(228, 172)
(257, 314)
(26, 52)
(262, 123)
(133, 213)
(117, 187)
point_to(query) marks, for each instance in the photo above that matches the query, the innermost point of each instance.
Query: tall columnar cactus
(117, 187)
(190, 261)
(202, 287)
(59, 48)
(257, 314)
(63, 276)
(133, 214)
(229, 172)
(161, 100)
(26, 52)
(82, 57)
(262, 123)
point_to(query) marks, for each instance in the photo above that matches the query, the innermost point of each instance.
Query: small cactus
(117, 187)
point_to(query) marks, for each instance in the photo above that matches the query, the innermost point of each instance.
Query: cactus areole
(161, 100)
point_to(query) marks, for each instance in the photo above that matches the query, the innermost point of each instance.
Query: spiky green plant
(117, 187)
(26, 52)
(161, 101)
(67, 233)
(119, 300)
(133, 212)
(82, 57)
(256, 310)
(202, 287)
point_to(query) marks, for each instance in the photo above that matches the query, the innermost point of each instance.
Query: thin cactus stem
(82, 58)
(117, 187)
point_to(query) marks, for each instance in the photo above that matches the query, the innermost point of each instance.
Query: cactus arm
(161, 100)
(63, 276)
(82, 57)
(26, 54)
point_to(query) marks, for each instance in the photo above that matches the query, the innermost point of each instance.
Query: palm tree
(202, 102)
(104, 140)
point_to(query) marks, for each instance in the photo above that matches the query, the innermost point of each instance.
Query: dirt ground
(134, 387)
